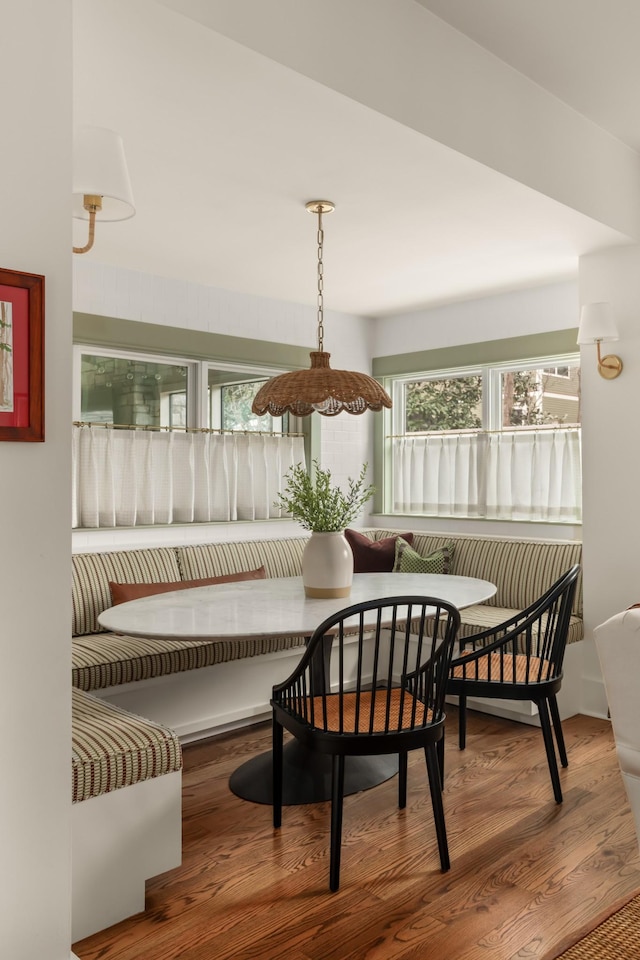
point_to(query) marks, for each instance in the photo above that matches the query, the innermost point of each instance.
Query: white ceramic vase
(327, 566)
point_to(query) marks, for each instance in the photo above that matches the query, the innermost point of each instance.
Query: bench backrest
(521, 569)
(91, 572)
(280, 557)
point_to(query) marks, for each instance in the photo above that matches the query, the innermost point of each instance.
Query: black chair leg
(549, 746)
(433, 772)
(277, 740)
(337, 792)
(557, 727)
(440, 749)
(462, 720)
(402, 780)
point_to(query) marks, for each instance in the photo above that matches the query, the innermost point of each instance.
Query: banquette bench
(127, 810)
(136, 699)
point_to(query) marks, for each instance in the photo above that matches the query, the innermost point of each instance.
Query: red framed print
(21, 356)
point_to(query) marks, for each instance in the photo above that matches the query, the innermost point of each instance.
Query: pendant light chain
(320, 282)
(320, 389)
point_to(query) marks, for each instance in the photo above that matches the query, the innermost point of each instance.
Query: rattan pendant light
(320, 388)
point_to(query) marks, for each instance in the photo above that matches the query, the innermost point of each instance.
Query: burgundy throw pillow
(122, 592)
(373, 556)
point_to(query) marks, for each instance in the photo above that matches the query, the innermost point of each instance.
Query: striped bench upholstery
(107, 659)
(281, 558)
(113, 748)
(521, 569)
(91, 573)
(101, 659)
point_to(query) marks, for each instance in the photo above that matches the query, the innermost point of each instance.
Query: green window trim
(528, 347)
(192, 344)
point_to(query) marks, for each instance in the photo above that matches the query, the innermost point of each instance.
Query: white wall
(537, 310)
(611, 455)
(35, 698)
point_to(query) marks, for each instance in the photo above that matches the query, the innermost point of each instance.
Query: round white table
(278, 608)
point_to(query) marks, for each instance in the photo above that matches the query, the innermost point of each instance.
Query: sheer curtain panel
(439, 475)
(508, 475)
(128, 478)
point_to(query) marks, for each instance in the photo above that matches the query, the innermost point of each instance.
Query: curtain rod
(158, 429)
(541, 428)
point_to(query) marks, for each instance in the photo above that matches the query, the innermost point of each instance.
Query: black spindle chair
(371, 681)
(521, 660)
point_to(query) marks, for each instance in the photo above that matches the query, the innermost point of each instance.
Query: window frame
(394, 420)
(197, 392)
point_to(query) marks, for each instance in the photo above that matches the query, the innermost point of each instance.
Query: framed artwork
(21, 356)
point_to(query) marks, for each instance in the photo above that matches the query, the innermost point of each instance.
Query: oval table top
(275, 606)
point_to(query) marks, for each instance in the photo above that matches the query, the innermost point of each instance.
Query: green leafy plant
(320, 505)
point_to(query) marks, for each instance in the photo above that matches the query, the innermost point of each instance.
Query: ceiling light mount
(320, 388)
(320, 206)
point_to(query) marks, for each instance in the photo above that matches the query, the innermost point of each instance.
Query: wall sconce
(101, 185)
(597, 326)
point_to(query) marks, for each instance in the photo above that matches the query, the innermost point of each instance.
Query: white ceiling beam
(402, 61)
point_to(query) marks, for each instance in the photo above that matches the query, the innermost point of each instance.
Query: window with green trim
(161, 439)
(500, 441)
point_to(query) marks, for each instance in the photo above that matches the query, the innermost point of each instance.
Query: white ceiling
(583, 51)
(225, 146)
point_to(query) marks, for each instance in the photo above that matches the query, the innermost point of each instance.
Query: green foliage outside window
(452, 403)
(455, 403)
(236, 406)
(236, 409)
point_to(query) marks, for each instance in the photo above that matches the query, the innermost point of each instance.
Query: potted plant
(324, 508)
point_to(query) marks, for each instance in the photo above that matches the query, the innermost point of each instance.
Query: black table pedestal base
(307, 775)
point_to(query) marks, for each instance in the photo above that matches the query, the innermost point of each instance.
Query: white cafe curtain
(439, 475)
(510, 475)
(534, 475)
(128, 478)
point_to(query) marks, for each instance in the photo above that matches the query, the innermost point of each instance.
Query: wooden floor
(525, 872)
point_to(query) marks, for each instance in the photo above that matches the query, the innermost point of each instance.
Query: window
(230, 395)
(443, 403)
(497, 441)
(132, 391)
(163, 440)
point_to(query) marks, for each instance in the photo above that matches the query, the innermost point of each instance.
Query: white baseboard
(594, 698)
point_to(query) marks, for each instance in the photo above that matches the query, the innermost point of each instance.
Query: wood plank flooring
(525, 872)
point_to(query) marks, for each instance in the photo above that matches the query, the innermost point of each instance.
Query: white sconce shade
(597, 323)
(596, 326)
(100, 169)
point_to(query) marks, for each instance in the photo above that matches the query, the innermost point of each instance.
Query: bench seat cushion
(106, 659)
(113, 748)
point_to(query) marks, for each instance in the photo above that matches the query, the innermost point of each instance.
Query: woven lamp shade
(320, 389)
